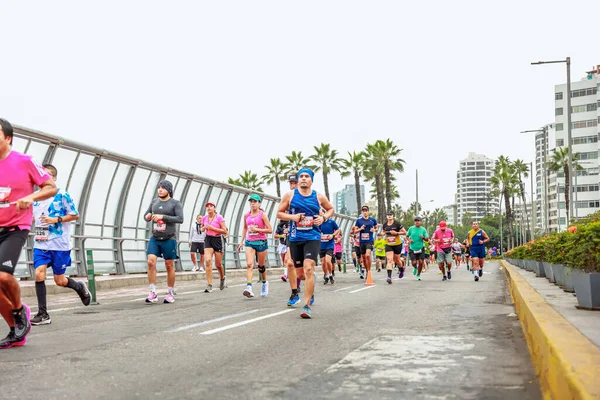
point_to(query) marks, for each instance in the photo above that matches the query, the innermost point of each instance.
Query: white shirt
(55, 236)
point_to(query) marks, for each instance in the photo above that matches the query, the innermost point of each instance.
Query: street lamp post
(569, 146)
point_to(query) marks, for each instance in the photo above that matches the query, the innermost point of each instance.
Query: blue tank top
(304, 230)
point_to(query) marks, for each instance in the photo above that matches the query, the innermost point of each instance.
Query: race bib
(306, 223)
(365, 236)
(4, 194)
(324, 238)
(160, 227)
(41, 234)
(417, 251)
(391, 239)
(447, 240)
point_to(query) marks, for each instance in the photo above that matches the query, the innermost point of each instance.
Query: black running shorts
(366, 246)
(396, 249)
(197, 247)
(12, 240)
(301, 251)
(214, 242)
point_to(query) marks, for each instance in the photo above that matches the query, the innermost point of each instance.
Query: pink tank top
(257, 221)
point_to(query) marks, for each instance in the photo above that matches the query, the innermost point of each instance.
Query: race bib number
(325, 238)
(417, 251)
(446, 240)
(306, 223)
(4, 194)
(160, 227)
(365, 236)
(391, 239)
(41, 234)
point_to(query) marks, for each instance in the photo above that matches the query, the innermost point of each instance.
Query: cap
(210, 203)
(417, 218)
(442, 224)
(293, 178)
(390, 212)
(255, 197)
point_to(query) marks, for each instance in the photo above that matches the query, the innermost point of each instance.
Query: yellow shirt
(380, 247)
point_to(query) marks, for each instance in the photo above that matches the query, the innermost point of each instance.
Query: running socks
(72, 284)
(153, 288)
(40, 292)
(389, 271)
(170, 290)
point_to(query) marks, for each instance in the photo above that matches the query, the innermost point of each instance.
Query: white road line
(365, 288)
(242, 323)
(186, 327)
(345, 288)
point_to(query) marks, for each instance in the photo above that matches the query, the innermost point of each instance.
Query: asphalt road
(410, 340)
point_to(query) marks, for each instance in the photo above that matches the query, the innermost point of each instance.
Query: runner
(214, 226)
(301, 207)
(379, 246)
(197, 244)
(365, 226)
(289, 263)
(165, 212)
(338, 251)
(442, 238)
(393, 246)
(52, 247)
(281, 233)
(19, 173)
(467, 253)
(477, 240)
(356, 256)
(416, 237)
(256, 228)
(329, 229)
(456, 252)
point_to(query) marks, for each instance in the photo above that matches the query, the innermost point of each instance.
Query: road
(410, 340)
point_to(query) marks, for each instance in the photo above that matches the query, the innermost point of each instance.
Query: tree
(353, 165)
(560, 161)
(374, 171)
(248, 180)
(389, 154)
(426, 215)
(296, 161)
(326, 161)
(275, 170)
(467, 219)
(503, 181)
(439, 215)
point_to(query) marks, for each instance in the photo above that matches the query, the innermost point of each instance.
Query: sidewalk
(564, 341)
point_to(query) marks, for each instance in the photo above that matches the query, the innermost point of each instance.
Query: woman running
(393, 247)
(256, 228)
(456, 250)
(214, 226)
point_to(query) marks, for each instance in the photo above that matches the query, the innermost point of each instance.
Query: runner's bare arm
(326, 204)
(284, 206)
(47, 190)
(486, 238)
(269, 228)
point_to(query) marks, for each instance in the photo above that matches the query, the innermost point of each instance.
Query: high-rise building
(449, 210)
(544, 143)
(585, 118)
(473, 187)
(345, 200)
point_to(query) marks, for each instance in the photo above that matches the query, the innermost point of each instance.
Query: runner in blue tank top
(301, 207)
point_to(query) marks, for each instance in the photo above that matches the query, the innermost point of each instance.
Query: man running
(301, 207)
(417, 236)
(52, 247)
(256, 228)
(393, 245)
(214, 226)
(164, 212)
(19, 173)
(329, 229)
(197, 244)
(289, 263)
(477, 240)
(365, 226)
(281, 233)
(456, 251)
(379, 246)
(442, 238)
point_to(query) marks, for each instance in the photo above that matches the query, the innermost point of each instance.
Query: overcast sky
(216, 87)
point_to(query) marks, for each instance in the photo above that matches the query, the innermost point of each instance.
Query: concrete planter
(587, 289)
(530, 265)
(538, 268)
(568, 285)
(549, 272)
(559, 274)
(520, 263)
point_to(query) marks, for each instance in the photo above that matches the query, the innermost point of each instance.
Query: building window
(560, 142)
(558, 96)
(558, 111)
(585, 140)
(584, 92)
(559, 127)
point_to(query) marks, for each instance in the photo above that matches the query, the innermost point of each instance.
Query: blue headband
(308, 171)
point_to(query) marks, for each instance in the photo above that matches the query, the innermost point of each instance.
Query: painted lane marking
(361, 289)
(242, 323)
(210, 321)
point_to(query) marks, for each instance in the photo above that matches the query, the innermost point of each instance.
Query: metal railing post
(91, 276)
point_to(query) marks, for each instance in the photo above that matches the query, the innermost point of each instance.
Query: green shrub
(582, 248)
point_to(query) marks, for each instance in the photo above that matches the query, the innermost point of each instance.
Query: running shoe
(418, 277)
(22, 323)
(444, 278)
(195, 269)
(202, 269)
(331, 279)
(152, 298)
(10, 341)
(480, 272)
(305, 312)
(414, 270)
(84, 294)
(248, 292)
(401, 274)
(389, 280)
(169, 299)
(325, 280)
(264, 291)
(41, 319)
(222, 284)
(208, 289)
(312, 300)
(284, 278)
(476, 278)
(294, 299)
(449, 275)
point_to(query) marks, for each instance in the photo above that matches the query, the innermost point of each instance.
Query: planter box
(587, 289)
(538, 268)
(568, 285)
(559, 274)
(549, 272)
(529, 264)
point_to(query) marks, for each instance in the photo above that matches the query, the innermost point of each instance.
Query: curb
(566, 362)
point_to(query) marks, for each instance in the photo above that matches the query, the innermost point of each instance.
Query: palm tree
(248, 180)
(503, 180)
(353, 165)
(275, 170)
(326, 160)
(439, 215)
(297, 161)
(389, 153)
(394, 192)
(426, 219)
(374, 171)
(560, 161)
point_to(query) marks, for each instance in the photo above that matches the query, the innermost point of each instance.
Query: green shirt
(414, 234)
(380, 247)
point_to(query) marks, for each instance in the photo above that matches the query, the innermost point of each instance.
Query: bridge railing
(112, 193)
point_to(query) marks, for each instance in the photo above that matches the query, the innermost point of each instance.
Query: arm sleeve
(178, 217)
(148, 211)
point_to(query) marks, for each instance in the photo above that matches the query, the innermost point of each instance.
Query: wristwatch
(59, 219)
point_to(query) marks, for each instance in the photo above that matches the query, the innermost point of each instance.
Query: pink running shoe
(169, 298)
(284, 278)
(152, 298)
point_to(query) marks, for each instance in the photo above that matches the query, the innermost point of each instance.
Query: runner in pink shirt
(19, 173)
(443, 238)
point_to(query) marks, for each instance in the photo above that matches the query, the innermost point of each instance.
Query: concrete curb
(120, 281)
(566, 362)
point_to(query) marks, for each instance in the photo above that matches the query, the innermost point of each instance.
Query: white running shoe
(265, 289)
(248, 292)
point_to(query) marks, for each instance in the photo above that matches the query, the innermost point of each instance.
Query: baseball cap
(293, 178)
(417, 218)
(442, 224)
(255, 197)
(390, 212)
(210, 203)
